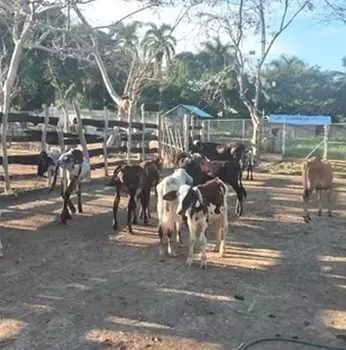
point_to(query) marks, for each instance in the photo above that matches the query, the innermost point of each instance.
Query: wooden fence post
(283, 145)
(208, 130)
(186, 127)
(159, 135)
(105, 133)
(81, 134)
(325, 141)
(129, 131)
(44, 128)
(143, 130)
(203, 131)
(192, 129)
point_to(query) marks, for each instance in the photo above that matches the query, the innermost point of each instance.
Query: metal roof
(192, 109)
(300, 119)
(198, 111)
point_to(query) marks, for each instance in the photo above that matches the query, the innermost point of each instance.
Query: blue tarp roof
(300, 119)
(198, 111)
(192, 109)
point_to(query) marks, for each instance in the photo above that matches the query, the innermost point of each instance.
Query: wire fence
(291, 141)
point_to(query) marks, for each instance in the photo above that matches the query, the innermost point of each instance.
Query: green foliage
(204, 78)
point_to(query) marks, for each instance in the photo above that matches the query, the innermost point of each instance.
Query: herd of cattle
(196, 193)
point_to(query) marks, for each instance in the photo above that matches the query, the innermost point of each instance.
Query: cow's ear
(170, 196)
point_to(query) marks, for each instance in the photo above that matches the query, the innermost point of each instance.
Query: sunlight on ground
(9, 328)
(198, 295)
(331, 259)
(29, 223)
(129, 321)
(335, 319)
(137, 340)
(260, 259)
(33, 204)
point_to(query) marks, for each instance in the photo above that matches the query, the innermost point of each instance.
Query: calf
(133, 178)
(230, 173)
(215, 151)
(152, 170)
(202, 170)
(202, 205)
(47, 163)
(167, 204)
(75, 168)
(317, 176)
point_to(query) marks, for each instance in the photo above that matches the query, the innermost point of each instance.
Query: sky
(309, 39)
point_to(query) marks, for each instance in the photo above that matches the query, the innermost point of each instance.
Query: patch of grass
(301, 147)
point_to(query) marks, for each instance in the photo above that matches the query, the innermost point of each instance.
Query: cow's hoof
(306, 219)
(203, 264)
(189, 261)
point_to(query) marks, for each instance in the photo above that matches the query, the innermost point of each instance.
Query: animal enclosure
(73, 288)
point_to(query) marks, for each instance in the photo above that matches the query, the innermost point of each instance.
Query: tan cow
(317, 176)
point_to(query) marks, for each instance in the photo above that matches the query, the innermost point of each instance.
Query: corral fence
(287, 140)
(102, 133)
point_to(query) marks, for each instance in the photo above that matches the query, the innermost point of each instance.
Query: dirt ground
(71, 287)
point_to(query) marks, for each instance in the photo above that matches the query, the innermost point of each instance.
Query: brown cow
(317, 176)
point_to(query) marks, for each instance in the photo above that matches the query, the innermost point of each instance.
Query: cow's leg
(178, 233)
(67, 202)
(218, 228)
(239, 205)
(131, 209)
(306, 197)
(224, 232)
(203, 243)
(140, 206)
(162, 249)
(49, 175)
(62, 193)
(144, 204)
(329, 192)
(79, 196)
(1, 250)
(192, 241)
(116, 205)
(320, 203)
(170, 249)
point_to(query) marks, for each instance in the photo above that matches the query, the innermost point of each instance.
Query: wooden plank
(32, 159)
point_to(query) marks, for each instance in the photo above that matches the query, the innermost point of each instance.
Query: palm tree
(126, 35)
(159, 43)
(215, 54)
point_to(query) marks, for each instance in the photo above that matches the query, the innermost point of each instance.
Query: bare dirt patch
(70, 287)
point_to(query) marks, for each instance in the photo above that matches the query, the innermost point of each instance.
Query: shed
(178, 112)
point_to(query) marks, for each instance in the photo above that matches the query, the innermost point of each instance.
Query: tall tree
(159, 43)
(242, 18)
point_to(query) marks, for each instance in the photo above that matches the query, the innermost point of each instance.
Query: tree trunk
(129, 134)
(255, 140)
(5, 110)
(105, 77)
(11, 75)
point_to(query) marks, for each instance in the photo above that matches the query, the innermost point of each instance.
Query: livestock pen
(76, 287)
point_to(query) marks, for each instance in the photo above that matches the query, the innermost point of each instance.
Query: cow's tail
(241, 183)
(305, 180)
